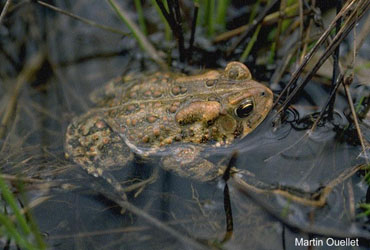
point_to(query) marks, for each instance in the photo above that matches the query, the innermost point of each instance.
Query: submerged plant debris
(302, 174)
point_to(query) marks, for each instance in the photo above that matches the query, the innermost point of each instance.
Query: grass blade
(139, 10)
(139, 36)
(249, 47)
(221, 13)
(10, 200)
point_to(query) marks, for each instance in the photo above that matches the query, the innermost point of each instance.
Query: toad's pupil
(244, 110)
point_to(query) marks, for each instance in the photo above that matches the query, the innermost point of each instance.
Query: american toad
(168, 115)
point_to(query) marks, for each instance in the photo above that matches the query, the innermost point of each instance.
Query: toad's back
(160, 109)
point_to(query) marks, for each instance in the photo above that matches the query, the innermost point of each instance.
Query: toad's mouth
(238, 132)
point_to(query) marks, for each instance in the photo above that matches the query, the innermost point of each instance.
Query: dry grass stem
(140, 37)
(359, 11)
(282, 7)
(254, 24)
(309, 56)
(14, 178)
(160, 225)
(29, 70)
(267, 20)
(142, 183)
(355, 118)
(5, 10)
(351, 200)
(317, 199)
(305, 227)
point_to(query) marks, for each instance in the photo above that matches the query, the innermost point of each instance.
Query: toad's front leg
(187, 161)
(94, 144)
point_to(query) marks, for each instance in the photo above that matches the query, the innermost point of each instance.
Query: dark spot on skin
(74, 143)
(131, 107)
(184, 133)
(233, 74)
(191, 133)
(95, 129)
(210, 83)
(183, 90)
(204, 139)
(72, 129)
(176, 90)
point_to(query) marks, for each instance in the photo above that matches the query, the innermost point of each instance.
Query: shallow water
(274, 157)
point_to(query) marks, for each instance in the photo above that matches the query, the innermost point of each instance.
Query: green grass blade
(10, 200)
(139, 36)
(210, 18)
(12, 232)
(8, 226)
(140, 13)
(167, 29)
(254, 11)
(39, 241)
(221, 13)
(272, 52)
(250, 44)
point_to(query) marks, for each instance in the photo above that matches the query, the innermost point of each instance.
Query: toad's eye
(244, 109)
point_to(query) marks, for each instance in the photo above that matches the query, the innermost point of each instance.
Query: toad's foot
(186, 161)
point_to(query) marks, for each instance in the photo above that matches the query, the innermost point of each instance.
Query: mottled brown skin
(174, 116)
